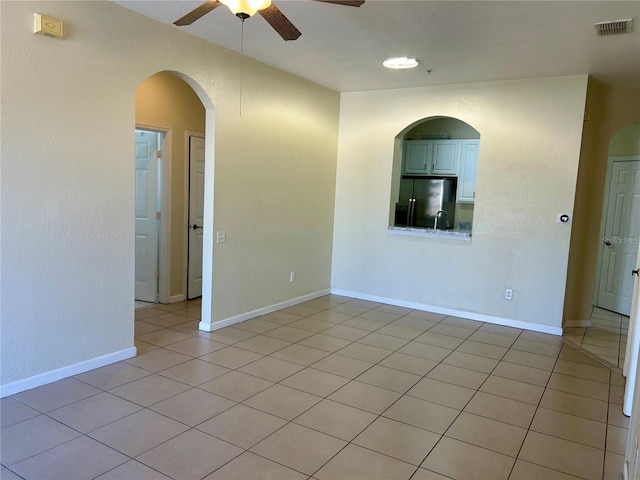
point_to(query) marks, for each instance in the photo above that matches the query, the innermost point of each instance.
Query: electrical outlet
(292, 277)
(508, 294)
(221, 237)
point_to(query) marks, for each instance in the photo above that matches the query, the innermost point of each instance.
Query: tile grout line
(533, 418)
(441, 362)
(327, 398)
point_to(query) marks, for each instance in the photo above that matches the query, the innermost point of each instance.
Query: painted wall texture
(67, 179)
(530, 134)
(626, 141)
(291, 193)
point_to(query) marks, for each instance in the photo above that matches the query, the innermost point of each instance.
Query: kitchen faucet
(435, 220)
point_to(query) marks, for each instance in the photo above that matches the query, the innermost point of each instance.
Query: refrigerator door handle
(410, 214)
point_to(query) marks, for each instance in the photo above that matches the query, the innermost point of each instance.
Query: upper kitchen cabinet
(445, 157)
(417, 157)
(466, 192)
(431, 157)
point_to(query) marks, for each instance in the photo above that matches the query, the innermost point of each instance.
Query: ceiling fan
(243, 9)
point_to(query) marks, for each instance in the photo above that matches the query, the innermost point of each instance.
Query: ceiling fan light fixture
(246, 8)
(400, 63)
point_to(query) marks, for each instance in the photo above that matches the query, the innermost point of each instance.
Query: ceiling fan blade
(348, 3)
(197, 12)
(280, 23)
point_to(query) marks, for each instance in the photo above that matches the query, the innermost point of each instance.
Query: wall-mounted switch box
(47, 26)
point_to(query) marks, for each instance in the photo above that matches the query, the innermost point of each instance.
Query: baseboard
(507, 322)
(625, 471)
(177, 298)
(64, 372)
(210, 327)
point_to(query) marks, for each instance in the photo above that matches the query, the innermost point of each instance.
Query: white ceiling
(459, 41)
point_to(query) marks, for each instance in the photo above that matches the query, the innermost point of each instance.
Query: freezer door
(404, 207)
(428, 195)
(448, 203)
(422, 192)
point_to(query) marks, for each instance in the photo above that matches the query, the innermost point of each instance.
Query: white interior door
(620, 240)
(196, 215)
(146, 224)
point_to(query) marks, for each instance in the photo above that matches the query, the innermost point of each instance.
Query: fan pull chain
(241, 63)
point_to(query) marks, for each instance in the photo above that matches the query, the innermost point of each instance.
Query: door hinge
(158, 216)
(158, 274)
(158, 154)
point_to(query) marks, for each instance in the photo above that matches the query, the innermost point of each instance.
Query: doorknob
(635, 272)
(196, 227)
(606, 242)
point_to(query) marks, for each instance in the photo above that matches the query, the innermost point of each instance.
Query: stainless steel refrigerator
(426, 203)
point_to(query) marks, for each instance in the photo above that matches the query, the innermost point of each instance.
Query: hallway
(606, 338)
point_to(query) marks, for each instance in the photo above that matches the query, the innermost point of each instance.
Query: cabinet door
(445, 157)
(417, 157)
(468, 170)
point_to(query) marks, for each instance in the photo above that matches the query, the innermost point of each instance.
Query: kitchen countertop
(430, 232)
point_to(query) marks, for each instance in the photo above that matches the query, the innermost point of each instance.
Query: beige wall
(530, 132)
(67, 148)
(626, 141)
(609, 111)
(164, 100)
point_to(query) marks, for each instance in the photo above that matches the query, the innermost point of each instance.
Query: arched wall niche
(431, 128)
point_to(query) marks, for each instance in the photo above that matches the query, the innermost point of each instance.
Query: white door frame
(165, 211)
(603, 220)
(185, 250)
(630, 370)
(631, 404)
(206, 322)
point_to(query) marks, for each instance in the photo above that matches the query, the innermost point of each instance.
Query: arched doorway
(167, 107)
(175, 106)
(620, 222)
(605, 332)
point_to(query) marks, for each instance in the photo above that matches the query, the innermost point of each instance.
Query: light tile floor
(606, 338)
(334, 388)
(140, 304)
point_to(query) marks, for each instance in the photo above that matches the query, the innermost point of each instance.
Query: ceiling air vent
(614, 27)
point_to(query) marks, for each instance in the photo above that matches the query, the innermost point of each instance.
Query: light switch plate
(221, 237)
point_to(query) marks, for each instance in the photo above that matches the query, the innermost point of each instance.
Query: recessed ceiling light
(399, 63)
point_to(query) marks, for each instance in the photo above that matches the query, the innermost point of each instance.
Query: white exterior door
(146, 224)
(196, 215)
(622, 230)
